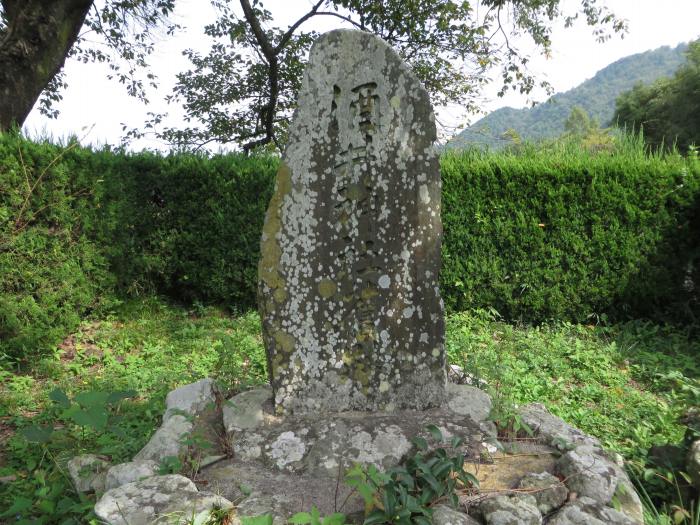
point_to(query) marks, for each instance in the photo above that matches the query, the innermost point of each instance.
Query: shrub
(50, 272)
(565, 234)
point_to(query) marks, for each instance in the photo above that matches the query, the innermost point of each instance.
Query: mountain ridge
(596, 95)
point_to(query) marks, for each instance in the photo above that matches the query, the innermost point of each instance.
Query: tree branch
(295, 26)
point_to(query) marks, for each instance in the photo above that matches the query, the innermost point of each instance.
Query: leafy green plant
(403, 495)
(314, 518)
(94, 409)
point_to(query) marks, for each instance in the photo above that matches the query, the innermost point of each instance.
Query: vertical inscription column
(357, 205)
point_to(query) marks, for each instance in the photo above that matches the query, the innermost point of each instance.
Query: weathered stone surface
(168, 439)
(124, 473)
(469, 401)
(306, 443)
(87, 472)
(573, 515)
(189, 399)
(444, 515)
(589, 473)
(550, 492)
(585, 511)
(511, 510)
(350, 251)
(628, 499)
(553, 430)
(245, 410)
(693, 463)
(160, 499)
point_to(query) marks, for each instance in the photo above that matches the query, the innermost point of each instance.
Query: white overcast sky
(95, 107)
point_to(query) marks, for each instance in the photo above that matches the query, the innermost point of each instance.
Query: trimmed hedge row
(542, 234)
(564, 234)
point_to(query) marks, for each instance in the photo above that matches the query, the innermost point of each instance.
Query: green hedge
(50, 271)
(184, 225)
(542, 234)
(565, 234)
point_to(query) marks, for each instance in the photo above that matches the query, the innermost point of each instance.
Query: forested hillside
(596, 95)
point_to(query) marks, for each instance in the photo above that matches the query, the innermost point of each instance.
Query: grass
(626, 384)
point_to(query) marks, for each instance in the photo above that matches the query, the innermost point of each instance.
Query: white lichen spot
(287, 448)
(408, 312)
(384, 281)
(424, 194)
(383, 386)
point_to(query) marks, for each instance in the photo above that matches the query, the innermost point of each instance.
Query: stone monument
(348, 277)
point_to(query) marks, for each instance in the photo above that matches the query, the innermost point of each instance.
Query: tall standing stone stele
(348, 277)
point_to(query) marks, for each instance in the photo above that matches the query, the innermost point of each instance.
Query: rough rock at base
(168, 439)
(693, 463)
(124, 473)
(586, 511)
(323, 445)
(160, 499)
(552, 429)
(469, 401)
(87, 472)
(589, 473)
(444, 515)
(550, 492)
(190, 399)
(245, 410)
(511, 510)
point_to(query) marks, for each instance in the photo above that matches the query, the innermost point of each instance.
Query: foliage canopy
(667, 111)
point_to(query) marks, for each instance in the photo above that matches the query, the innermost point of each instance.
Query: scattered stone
(628, 499)
(511, 510)
(573, 515)
(160, 499)
(190, 399)
(245, 410)
(693, 463)
(444, 515)
(168, 439)
(552, 429)
(589, 473)
(350, 252)
(469, 401)
(550, 493)
(593, 511)
(87, 472)
(259, 505)
(124, 473)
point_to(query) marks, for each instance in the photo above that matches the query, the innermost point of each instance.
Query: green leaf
(37, 434)
(94, 417)
(456, 441)
(92, 398)
(421, 520)
(434, 483)
(19, 505)
(59, 397)
(420, 443)
(300, 518)
(376, 516)
(47, 506)
(263, 519)
(441, 469)
(435, 432)
(115, 397)
(389, 502)
(337, 518)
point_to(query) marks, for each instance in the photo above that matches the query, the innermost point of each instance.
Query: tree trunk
(33, 48)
